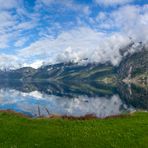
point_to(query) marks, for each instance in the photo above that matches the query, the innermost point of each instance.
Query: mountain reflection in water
(71, 98)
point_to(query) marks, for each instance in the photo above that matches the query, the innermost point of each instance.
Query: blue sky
(33, 32)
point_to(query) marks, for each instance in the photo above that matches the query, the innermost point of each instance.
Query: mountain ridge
(132, 66)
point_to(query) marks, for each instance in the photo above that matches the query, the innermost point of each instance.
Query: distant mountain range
(133, 67)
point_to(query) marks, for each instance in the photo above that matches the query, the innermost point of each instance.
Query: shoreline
(85, 117)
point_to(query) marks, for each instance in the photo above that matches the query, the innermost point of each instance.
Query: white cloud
(8, 4)
(130, 20)
(76, 45)
(36, 64)
(9, 61)
(112, 32)
(25, 25)
(46, 2)
(113, 2)
(64, 5)
(13, 24)
(3, 40)
(6, 19)
(97, 46)
(20, 42)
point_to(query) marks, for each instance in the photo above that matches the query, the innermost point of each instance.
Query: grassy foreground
(21, 132)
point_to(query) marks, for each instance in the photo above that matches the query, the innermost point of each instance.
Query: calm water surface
(71, 98)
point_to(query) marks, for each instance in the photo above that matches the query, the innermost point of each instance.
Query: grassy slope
(20, 132)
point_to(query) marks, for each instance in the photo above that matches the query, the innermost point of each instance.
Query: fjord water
(71, 98)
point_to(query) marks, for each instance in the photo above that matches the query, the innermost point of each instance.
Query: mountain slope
(72, 71)
(132, 67)
(25, 73)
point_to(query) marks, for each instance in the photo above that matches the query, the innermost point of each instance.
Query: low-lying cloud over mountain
(46, 31)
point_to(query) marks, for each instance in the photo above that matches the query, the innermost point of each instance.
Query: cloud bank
(97, 46)
(98, 37)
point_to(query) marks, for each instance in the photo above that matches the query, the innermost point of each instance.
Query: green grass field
(121, 132)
